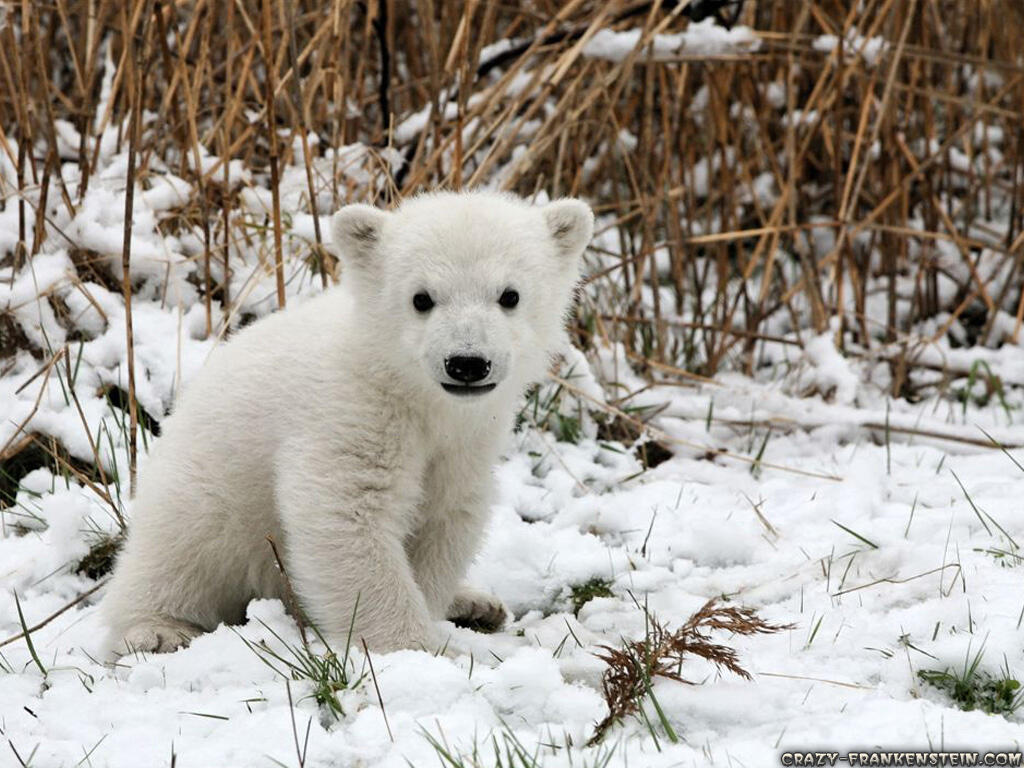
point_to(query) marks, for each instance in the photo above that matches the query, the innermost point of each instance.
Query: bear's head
(464, 293)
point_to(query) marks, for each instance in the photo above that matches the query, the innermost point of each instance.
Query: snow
(701, 38)
(830, 373)
(869, 49)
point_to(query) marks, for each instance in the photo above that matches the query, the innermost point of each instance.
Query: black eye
(509, 298)
(423, 302)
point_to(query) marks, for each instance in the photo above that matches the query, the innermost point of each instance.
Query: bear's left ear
(571, 224)
(356, 232)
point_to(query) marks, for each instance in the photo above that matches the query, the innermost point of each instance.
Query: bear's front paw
(157, 636)
(477, 610)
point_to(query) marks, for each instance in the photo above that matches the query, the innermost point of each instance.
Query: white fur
(326, 427)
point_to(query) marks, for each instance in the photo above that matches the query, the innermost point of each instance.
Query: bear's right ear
(356, 232)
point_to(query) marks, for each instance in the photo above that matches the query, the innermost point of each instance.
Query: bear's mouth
(468, 390)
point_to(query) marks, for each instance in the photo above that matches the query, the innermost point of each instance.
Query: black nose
(467, 369)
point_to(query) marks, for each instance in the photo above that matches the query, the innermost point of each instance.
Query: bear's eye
(509, 298)
(423, 302)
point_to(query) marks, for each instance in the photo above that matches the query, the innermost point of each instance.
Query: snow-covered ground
(874, 554)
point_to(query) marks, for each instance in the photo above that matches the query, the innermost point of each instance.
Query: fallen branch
(662, 435)
(788, 425)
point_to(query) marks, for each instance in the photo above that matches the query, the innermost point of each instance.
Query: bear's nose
(467, 369)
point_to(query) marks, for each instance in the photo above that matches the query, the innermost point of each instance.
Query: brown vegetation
(633, 666)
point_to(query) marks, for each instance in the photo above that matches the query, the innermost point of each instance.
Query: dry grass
(633, 666)
(871, 190)
(217, 74)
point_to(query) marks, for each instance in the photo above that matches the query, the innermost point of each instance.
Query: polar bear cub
(358, 430)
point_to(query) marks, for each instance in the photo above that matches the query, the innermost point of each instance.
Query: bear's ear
(356, 231)
(571, 224)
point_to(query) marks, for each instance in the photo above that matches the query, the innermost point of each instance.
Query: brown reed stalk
(274, 157)
(139, 58)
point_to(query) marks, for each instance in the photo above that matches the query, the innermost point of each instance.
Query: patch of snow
(869, 49)
(701, 38)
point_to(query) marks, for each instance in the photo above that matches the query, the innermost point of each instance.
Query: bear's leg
(181, 573)
(343, 547)
(440, 553)
(336, 564)
(145, 607)
(346, 500)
